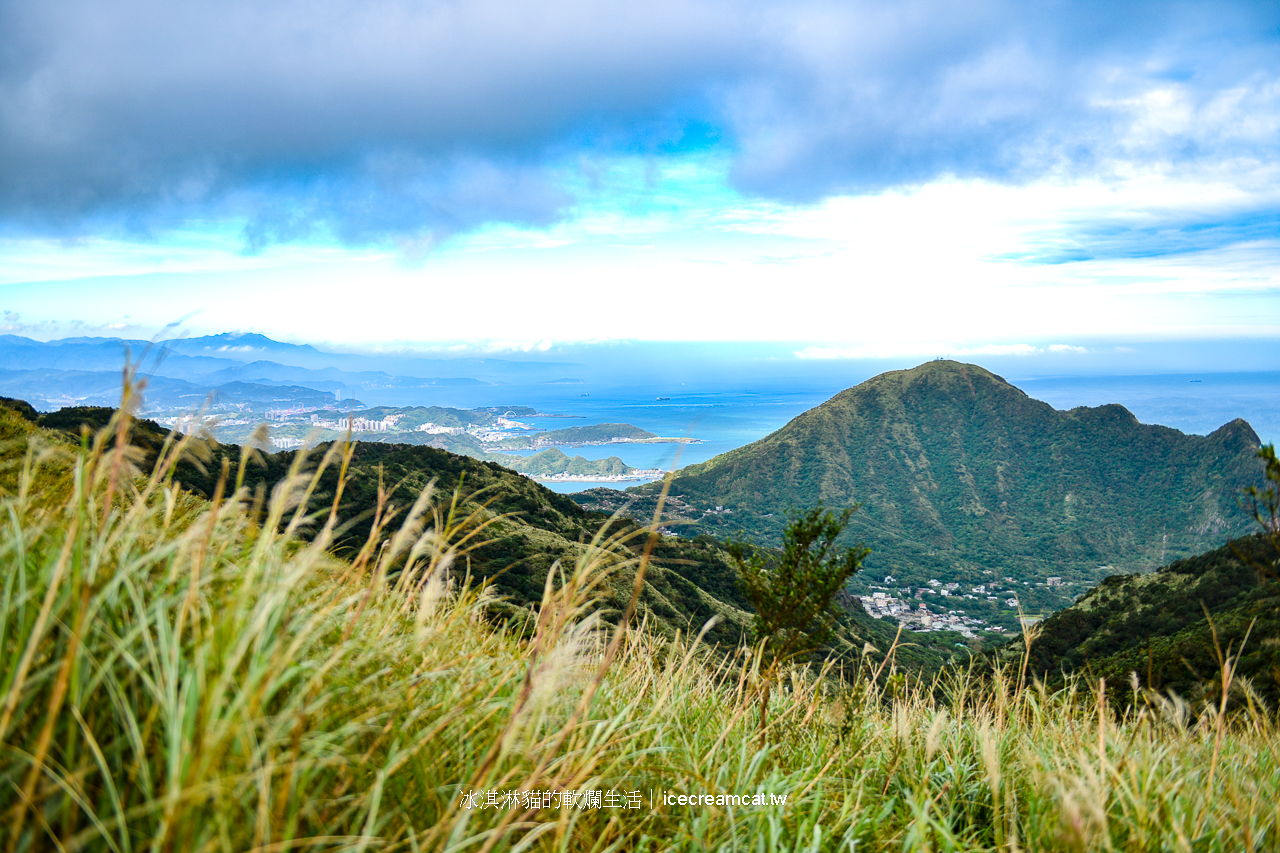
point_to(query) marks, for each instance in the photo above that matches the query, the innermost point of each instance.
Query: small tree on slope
(792, 591)
(1264, 505)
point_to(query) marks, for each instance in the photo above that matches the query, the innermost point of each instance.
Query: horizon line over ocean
(724, 418)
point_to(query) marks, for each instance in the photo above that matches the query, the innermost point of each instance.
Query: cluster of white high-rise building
(357, 424)
(191, 424)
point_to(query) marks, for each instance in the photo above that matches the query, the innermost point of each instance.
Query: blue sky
(857, 179)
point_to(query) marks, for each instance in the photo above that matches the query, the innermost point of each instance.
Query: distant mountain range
(183, 371)
(50, 389)
(962, 477)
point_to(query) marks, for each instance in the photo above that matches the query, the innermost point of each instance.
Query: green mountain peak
(960, 476)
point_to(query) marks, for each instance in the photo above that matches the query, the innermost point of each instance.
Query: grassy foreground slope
(528, 527)
(179, 677)
(958, 472)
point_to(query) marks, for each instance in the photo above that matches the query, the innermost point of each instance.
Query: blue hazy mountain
(249, 347)
(184, 371)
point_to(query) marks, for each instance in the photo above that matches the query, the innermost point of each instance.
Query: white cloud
(936, 349)
(999, 349)
(496, 346)
(941, 269)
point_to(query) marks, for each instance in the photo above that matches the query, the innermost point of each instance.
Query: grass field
(185, 675)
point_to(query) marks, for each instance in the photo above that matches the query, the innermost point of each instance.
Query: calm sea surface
(1193, 403)
(725, 417)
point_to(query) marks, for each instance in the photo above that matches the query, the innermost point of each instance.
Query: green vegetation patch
(186, 674)
(962, 477)
(552, 461)
(1160, 628)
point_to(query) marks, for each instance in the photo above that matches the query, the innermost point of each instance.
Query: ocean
(724, 415)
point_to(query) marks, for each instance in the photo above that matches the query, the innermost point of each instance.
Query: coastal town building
(882, 604)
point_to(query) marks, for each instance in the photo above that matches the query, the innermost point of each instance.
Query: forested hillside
(1168, 628)
(555, 461)
(963, 477)
(530, 529)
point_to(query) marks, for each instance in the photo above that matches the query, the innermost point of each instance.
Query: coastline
(639, 474)
(654, 440)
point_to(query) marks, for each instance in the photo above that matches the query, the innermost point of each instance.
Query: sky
(850, 180)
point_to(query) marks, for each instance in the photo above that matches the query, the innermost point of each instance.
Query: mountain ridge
(959, 472)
